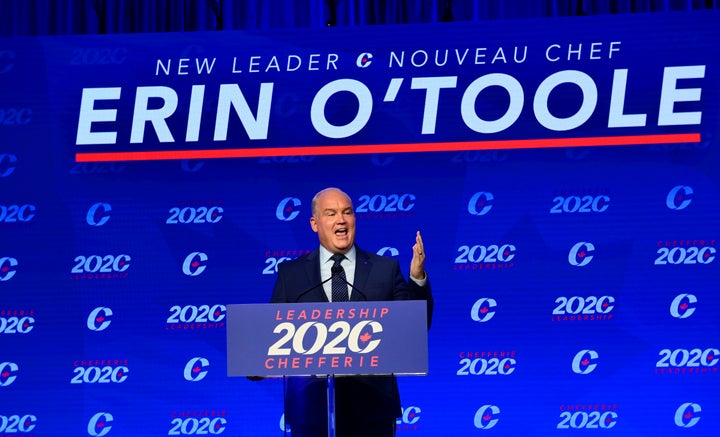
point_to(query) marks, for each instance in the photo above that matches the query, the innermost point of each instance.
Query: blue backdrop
(563, 174)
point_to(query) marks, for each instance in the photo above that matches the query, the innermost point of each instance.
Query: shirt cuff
(419, 282)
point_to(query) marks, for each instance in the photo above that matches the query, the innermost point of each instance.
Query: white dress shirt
(326, 263)
(348, 264)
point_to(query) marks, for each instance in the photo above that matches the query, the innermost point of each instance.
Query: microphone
(334, 271)
(339, 269)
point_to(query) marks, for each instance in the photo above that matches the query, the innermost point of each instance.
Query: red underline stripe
(543, 143)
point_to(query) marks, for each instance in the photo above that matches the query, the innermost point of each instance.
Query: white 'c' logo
(481, 199)
(8, 373)
(286, 211)
(585, 358)
(195, 369)
(680, 309)
(485, 417)
(99, 424)
(99, 319)
(481, 312)
(687, 412)
(192, 266)
(580, 254)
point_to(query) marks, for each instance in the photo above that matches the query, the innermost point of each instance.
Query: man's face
(334, 221)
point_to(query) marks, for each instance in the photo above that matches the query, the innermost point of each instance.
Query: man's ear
(313, 224)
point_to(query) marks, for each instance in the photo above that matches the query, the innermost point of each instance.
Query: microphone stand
(331, 378)
(335, 271)
(331, 404)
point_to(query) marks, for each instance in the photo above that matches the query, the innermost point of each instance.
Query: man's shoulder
(374, 258)
(299, 262)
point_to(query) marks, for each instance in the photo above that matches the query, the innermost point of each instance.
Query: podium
(327, 340)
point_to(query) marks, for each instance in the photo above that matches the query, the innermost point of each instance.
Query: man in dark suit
(365, 406)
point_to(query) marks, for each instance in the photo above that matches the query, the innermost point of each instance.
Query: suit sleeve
(279, 294)
(409, 290)
(423, 293)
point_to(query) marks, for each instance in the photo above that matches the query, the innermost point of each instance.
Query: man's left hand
(417, 264)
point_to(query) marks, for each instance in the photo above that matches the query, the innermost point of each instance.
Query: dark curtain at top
(62, 17)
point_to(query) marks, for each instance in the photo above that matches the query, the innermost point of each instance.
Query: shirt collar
(326, 254)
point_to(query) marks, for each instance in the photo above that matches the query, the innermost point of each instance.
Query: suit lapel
(312, 272)
(363, 266)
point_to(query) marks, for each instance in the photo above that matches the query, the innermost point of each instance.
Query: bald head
(333, 219)
(314, 203)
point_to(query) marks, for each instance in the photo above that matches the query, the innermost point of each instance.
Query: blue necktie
(339, 285)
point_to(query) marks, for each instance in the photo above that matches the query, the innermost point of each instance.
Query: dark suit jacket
(378, 278)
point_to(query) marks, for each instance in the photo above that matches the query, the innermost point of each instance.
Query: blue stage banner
(563, 174)
(391, 90)
(327, 339)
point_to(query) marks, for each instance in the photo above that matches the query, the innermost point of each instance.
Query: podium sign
(340, 338)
